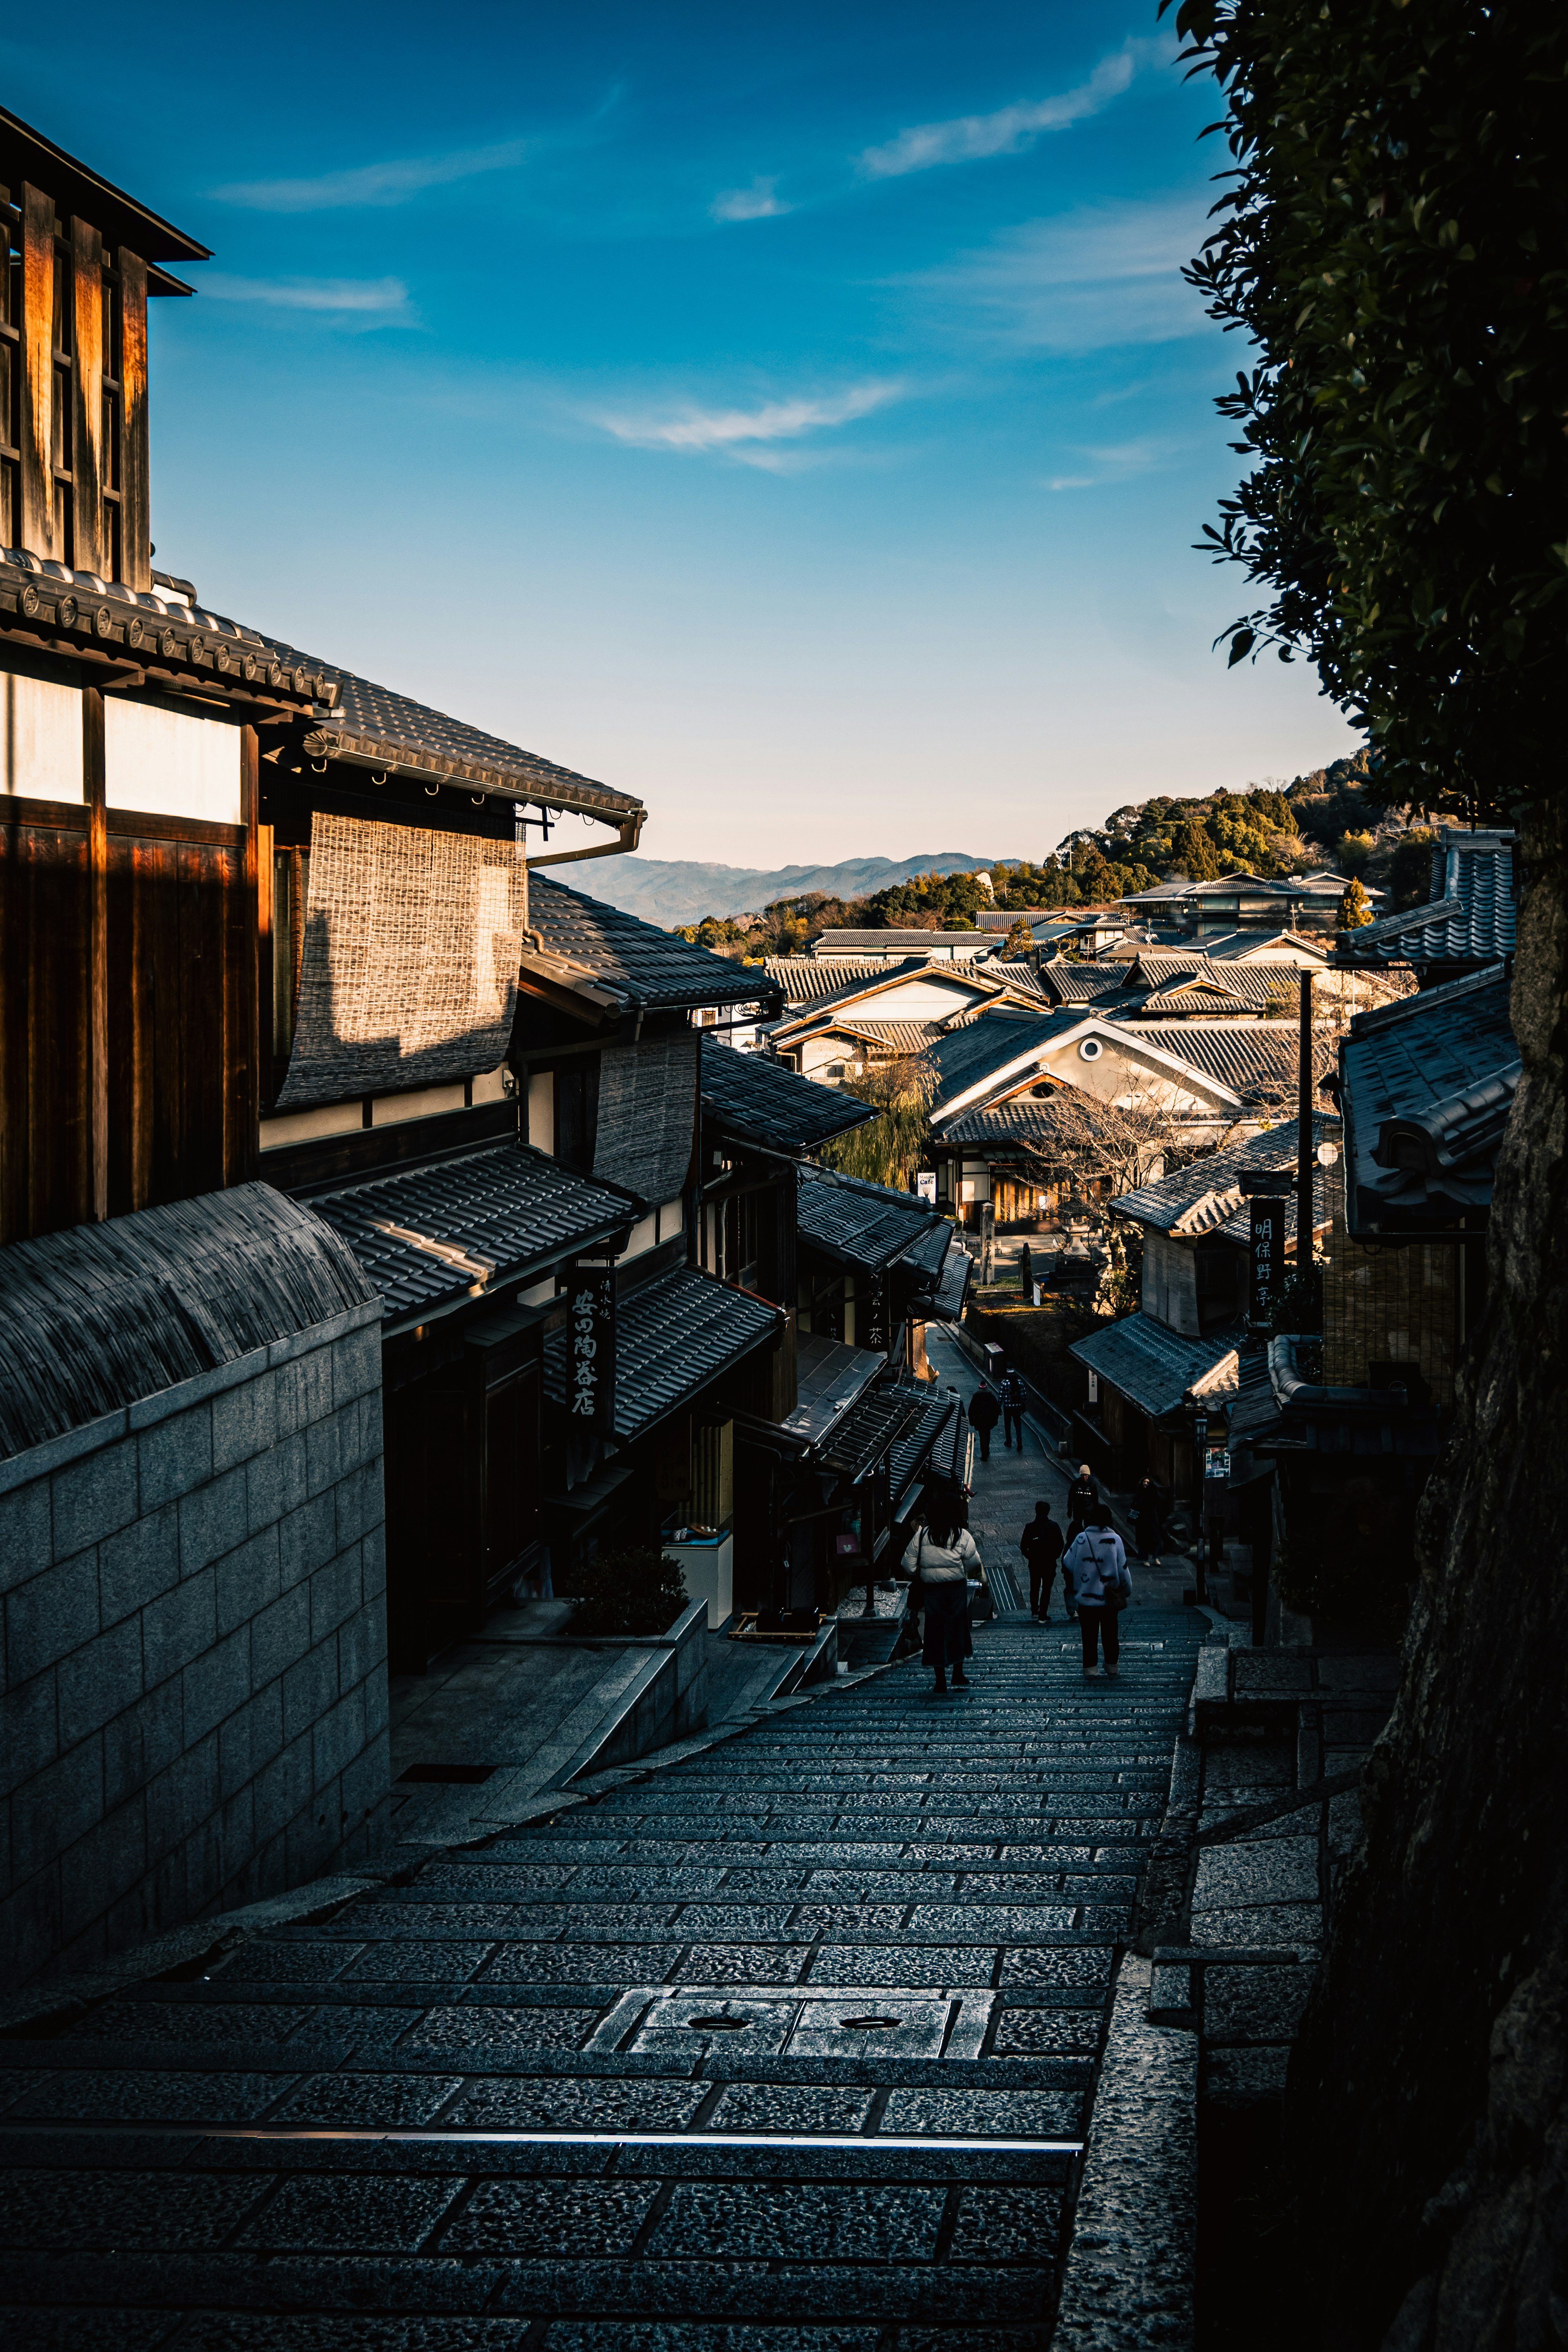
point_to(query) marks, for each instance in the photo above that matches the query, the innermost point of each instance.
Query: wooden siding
(128, 1007)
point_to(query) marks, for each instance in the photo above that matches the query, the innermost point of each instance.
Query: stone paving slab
(917, 1905)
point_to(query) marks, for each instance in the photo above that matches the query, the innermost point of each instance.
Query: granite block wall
(194, 1702)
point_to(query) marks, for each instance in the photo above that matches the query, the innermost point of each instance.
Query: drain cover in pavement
(649, 2019)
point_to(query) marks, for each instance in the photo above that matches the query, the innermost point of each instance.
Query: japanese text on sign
(591, 1346)
(1268, 1254)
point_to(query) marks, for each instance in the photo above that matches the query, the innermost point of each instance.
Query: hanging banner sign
(925, 1185)
(590, 1349)
(1268, 1254)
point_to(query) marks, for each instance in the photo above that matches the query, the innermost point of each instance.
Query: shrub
(636, 1590)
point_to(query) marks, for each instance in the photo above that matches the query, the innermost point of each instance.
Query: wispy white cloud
(379, 298)
(752, 435)
(1083, 281)
(759, 202)
(969, 137)
(1114, 462)
(394, 182)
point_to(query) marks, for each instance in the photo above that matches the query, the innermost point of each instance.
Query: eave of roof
(675, 1336)
(1154, 1367)
(121, 219)
(636, 960)
(757, 1100)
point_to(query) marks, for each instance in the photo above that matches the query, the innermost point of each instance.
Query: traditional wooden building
(317, 1112)
(826, 1480)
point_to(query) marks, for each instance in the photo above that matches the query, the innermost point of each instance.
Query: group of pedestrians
(943, 1563)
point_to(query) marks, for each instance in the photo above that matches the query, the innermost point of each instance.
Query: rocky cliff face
(1429, 2105)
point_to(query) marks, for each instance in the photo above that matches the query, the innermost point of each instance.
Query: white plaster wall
(170, 762)
(40, 739)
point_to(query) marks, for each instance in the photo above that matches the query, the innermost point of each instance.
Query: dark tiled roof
(1224, 947)
(1080, 983)
(1429, 1084)
(759, 1101)
(495, 1213)
(101, 1316)
(829, 1379)
(1470, 917)
(1028, 1118)
(675, 1335)
(802, 979)
(1153, 1368)
(897, 942)
(865, 1225)
(865, 1434)
(1169, 1198)
(914, 1448)
(1241, 988)
(648, 966)
(887, 1036)
(1255, 1059)
(962, 1058)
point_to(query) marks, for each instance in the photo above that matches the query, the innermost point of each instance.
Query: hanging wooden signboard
(590, 1349)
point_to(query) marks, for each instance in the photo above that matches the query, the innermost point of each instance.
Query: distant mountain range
(669, 891)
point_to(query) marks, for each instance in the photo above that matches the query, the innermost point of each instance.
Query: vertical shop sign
(590, 1349)
(1268, 1254)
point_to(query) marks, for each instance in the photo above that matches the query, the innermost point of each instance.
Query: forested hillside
(1324, 819)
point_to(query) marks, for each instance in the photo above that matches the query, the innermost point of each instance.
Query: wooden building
(826, 1476)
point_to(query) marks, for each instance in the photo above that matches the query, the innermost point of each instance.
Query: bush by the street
(638, 1590)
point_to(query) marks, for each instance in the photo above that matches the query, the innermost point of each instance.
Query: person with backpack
(942, 1556)
(1098, 1566)
(1014, 1396)
(1041, 1544)
(984, 1412)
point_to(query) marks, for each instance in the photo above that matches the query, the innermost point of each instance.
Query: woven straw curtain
(647, 1114)
(408, 975)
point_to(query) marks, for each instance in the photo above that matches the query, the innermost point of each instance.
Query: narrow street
(790, 2044)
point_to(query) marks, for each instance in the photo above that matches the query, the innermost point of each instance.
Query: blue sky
(796, 419)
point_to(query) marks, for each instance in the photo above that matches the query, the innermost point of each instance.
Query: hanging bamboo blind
(408, 964)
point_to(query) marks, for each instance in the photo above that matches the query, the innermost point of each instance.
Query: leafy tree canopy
(1392, 242)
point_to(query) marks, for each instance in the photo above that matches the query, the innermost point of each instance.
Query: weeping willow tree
(888, 1148)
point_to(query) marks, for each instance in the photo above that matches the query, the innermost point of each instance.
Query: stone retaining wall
(193, 1706)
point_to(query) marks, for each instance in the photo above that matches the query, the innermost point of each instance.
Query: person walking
(984, 1412)
(1098, 1566)
(1041, 1544)
(942, 1554)
(1083, 1502)
(1149, 1519)
(1025, 1272)
(1014, 1396)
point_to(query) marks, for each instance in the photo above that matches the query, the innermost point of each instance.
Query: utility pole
(1304, 1133)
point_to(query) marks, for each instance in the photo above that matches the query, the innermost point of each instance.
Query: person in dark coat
(1149, 1518)
(1027, 1274)
(1041, 1544)
(1014, 1396)
(984, 1412)
(943, 1556)
(1083, 1503)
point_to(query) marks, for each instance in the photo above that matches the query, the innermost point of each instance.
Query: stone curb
(60, 1997)
(1131, 2269)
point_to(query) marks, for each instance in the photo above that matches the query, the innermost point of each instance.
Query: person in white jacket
(1096, 1562)
(943, 1556)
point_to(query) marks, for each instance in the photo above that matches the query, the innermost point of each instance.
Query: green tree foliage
(1392, 242)
(1356, 853)
(1355, 908)
(888, 1148)
(947, 902)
